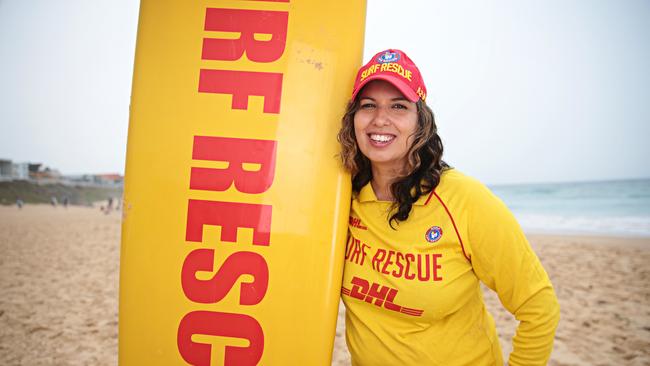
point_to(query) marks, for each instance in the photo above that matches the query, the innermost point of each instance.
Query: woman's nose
(381, 117)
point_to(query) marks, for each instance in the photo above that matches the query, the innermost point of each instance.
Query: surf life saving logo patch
(387, 57)
(433, 234)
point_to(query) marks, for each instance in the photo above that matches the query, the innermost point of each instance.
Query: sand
(59, 273)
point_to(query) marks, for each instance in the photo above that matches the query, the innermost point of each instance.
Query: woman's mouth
(378, 139)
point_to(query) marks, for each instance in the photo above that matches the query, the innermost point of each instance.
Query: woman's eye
(367, 105)
(399, 106)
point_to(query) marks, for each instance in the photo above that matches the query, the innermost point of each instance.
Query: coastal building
(41, 174)
(109, 179)
(13, 171)
(5, 169)
(20, 171)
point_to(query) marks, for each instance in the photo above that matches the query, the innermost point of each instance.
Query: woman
(422, 236)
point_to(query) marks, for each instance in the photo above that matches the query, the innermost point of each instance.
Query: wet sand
(59, 272)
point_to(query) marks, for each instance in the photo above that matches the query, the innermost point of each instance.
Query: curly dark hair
(424, 157)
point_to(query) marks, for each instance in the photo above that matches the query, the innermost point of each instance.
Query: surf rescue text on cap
(395, 67)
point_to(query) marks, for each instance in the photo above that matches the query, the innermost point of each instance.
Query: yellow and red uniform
(413, 296)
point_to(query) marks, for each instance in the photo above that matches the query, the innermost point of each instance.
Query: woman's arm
(502, 258)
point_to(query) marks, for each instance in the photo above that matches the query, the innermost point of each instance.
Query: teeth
(380, 138)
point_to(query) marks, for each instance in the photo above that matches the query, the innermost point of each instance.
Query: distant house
(13, 171)
(42, 173)
(6, 169)
(109, 179)
(21, 171)
(34, 167)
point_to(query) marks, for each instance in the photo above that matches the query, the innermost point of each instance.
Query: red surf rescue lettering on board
(232, 215)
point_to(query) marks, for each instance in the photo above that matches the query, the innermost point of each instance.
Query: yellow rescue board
(236, 208)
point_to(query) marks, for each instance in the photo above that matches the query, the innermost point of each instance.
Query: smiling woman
(422, 236)
(399, 132)
(385, 125)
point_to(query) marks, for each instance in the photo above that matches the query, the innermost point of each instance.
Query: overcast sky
(523, 91)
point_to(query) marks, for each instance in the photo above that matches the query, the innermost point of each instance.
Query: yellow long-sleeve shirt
(412, 294)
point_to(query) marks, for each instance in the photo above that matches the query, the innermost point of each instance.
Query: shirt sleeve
(503, 259)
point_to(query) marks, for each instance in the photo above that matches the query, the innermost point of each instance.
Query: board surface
(236, 207)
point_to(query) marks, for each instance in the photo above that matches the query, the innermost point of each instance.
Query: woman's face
(384, 125)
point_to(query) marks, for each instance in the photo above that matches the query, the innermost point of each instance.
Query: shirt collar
(367, 194)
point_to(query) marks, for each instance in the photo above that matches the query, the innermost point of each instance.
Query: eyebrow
(394, 99)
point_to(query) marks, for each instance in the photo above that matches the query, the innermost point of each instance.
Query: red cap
(396, 68)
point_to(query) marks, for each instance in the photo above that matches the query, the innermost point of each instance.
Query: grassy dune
(41, 193)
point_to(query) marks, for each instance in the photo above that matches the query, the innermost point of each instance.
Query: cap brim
(403, 87)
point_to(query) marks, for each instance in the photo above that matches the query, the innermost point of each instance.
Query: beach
(59, 277)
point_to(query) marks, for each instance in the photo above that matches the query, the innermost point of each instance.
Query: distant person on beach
(423, 236)
(19, 203)
(109, 206)
(66, 201)
(53, 201)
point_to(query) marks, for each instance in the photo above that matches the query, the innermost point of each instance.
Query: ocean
(616, 208)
